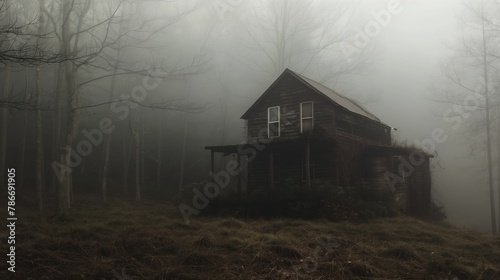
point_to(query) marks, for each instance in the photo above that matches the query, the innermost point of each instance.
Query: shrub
(437, 212)
(324, 200)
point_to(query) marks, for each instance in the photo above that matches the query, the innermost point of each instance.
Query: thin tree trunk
(281, 34)
(224, 116)
(4, 94)
(498, 157)
(40, 161)
(66, 178)
(137, 166)
(158, 157)
(127, 155)
(142, 152)
(183, 156)
(488, 134)
(62, 210)
(498, 167)
(137, 174)
(23, 149)
(104, 182)
(3, 127)
(107, 137)
(73, 116)
(136, 138)
(56, 129)
(71, 197)
(22, 163)
(39, 144)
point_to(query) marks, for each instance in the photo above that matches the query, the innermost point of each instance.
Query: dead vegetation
(150, 241)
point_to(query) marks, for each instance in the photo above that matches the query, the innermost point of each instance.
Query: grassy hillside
(151, 241)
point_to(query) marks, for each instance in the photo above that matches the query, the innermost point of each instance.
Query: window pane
(274, 130)
(307, 125)
(307, 110)
(273, 114)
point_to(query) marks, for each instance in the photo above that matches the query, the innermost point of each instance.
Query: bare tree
(159, 151)
(40, 170)
(80, 40)
(107, 138)
(5, 29)
(305, 36)
(3, 124)
(137, 148)
(127, 155)
(72, 24)
(471, 76)
(84, 30)
(20, 44)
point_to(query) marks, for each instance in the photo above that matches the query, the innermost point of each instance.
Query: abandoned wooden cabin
(302, 130)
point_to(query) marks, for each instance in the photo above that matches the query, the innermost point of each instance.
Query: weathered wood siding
(419, 191)
(391, 169)
(336, 121)
(353, 126)
(258, 171)
(288, 94)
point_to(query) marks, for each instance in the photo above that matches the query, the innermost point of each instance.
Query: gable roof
(322, 90)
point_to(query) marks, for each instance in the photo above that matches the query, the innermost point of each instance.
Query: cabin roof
(322, 90)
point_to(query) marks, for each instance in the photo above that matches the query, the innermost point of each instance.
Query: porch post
(212, 165)
(308, 164)
(271, 169)
(238, 158)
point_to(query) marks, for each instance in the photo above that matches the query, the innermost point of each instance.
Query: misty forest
(233, 139)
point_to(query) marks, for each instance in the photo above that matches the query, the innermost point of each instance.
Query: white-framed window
(273, 122)
(306, 116)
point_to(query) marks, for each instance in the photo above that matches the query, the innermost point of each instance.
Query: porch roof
(243, 146)
(226, 148)
(388, 150)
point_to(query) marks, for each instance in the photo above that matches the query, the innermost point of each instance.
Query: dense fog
(158, 81)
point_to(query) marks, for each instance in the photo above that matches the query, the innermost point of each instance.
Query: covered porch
(266, 166)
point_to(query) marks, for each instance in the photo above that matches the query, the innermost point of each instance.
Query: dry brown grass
(151, 241)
